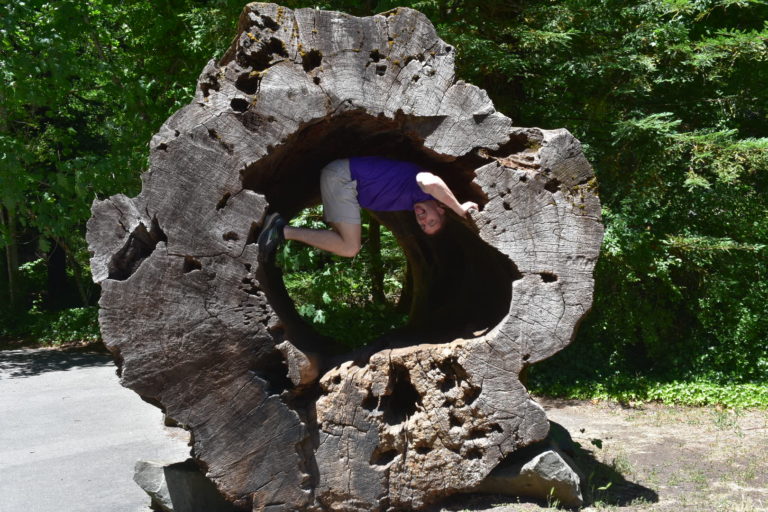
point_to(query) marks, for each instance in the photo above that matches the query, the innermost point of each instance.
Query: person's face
(430, 216)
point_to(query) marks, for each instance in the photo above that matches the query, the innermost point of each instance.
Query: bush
(76, 325)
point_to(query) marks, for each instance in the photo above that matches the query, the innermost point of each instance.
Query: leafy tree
(85, 86)
(667, 96)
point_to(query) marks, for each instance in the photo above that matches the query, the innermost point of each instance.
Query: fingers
(469, 205)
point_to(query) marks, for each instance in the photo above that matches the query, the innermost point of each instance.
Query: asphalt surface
(70, 435)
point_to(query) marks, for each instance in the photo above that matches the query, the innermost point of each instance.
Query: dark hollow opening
(458, 286)
(454, 374)
(382, 457)
(311, 59)
(402, 398)
(139, 245)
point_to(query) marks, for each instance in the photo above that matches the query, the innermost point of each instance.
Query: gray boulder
(179, 487)
(543, 471)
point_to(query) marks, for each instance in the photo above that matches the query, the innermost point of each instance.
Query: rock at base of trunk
(178, 487)
(543, 471)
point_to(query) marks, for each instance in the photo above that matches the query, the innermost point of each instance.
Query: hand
(469, 205)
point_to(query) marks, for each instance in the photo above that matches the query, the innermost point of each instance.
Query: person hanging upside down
(372, 182)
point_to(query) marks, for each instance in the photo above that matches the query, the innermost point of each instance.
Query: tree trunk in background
(8, 218)
(57, 285)
(377, 267)
(406, 294)
(71, 260)
(203, 327)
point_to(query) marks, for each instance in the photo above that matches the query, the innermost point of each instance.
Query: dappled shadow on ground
(31, 362)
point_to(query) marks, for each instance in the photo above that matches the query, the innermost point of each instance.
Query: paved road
(70, 435)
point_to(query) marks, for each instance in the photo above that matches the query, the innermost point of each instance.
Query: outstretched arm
(436, 187)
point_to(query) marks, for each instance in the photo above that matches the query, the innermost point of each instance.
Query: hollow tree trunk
(204, 330)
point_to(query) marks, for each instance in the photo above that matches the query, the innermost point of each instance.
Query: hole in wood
(249, 82)
(454, 374)
(269, 23)
(441, 271)
(470, 394)
(311, 59)
(138, 246)
(223, 202)
(552, 185)
(249, 286)
(260, 55)
(474, 453)
(191, 264)
(454, 420)
(239, 104)
(370, 403)
(382, 457)
(548, 277)
(402, 400)
(352, 300)
(477, 433)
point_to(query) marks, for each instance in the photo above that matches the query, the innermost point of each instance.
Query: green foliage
(336, 294)
(633, 389)
(667, 96)
(74, 325)
(68, 326)
(85, 85)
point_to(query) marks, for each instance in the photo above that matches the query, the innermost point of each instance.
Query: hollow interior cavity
(354, 300)
(457, 285)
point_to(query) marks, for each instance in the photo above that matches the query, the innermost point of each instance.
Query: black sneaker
(271, 236)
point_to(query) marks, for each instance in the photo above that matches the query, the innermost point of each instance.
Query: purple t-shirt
(386, 185)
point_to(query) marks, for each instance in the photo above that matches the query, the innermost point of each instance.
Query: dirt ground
(658, 458)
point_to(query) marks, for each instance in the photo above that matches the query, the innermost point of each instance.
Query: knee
(350, 250)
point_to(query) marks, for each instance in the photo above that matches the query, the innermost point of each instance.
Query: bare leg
(343, 238)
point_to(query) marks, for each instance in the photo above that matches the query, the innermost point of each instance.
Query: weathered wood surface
(205, 331)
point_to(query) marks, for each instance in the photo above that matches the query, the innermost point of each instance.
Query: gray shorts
(339, 193)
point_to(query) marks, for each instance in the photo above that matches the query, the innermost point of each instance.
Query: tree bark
(202, 328)
(8, 218)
